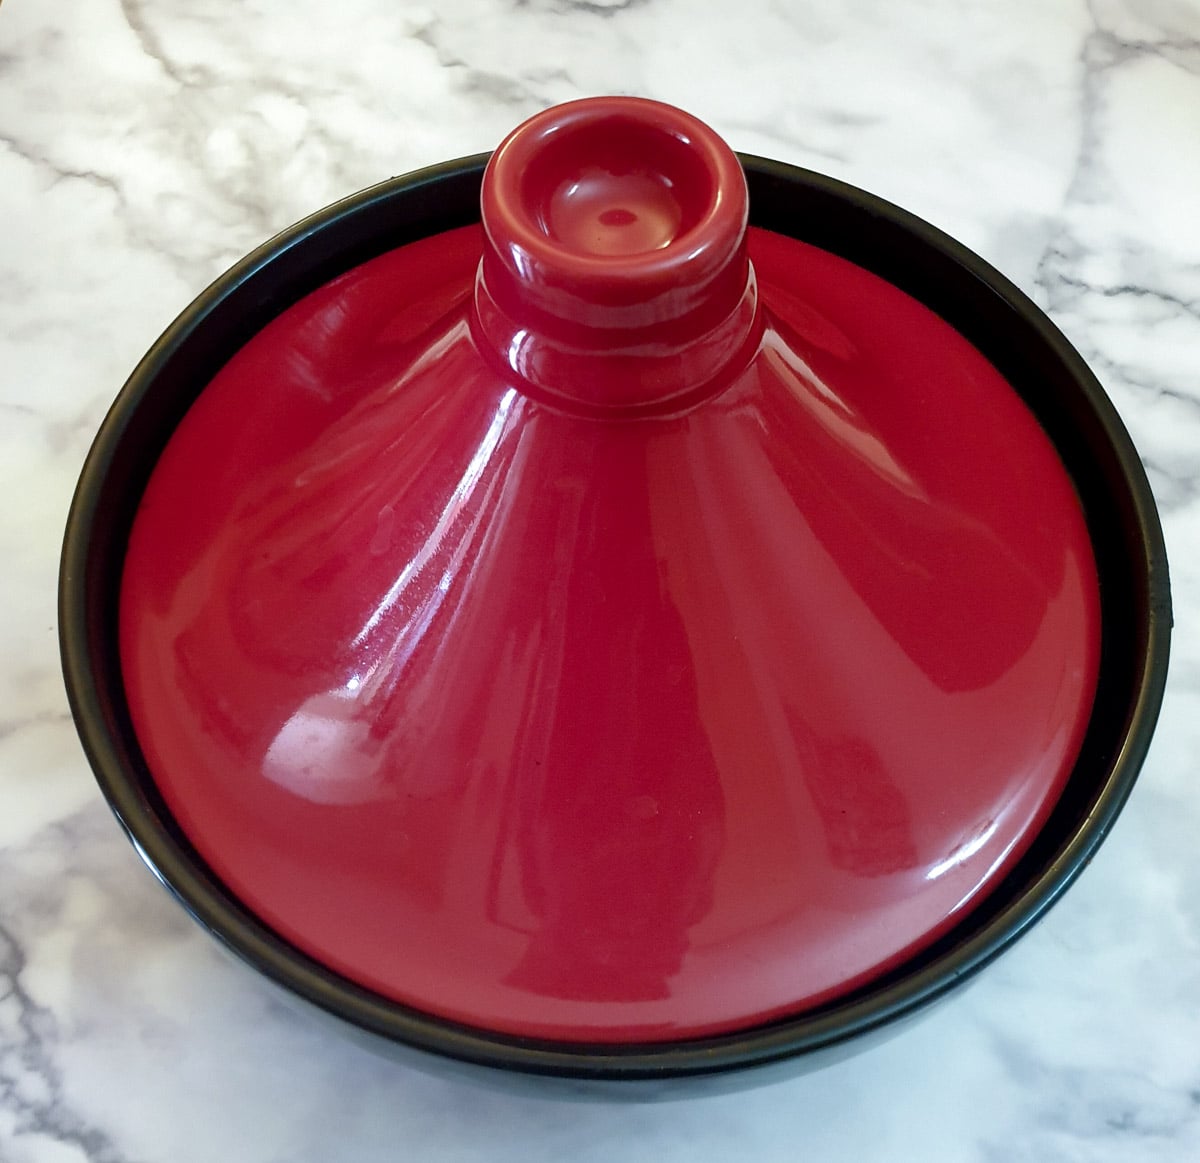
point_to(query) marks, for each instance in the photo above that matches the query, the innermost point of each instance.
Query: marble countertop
(147, 144)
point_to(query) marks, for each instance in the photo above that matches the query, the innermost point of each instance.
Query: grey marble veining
(147, 144)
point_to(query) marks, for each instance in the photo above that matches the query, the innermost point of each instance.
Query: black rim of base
(959, 286)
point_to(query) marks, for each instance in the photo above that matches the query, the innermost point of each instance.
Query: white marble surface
(146, 144)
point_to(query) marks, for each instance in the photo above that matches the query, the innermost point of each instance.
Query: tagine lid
(610, 623)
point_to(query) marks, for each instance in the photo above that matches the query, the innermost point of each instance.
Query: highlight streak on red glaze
(609, 729)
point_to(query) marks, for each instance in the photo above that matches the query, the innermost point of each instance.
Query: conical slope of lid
(649, 630)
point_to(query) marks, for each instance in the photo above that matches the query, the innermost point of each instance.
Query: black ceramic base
(1006, 327)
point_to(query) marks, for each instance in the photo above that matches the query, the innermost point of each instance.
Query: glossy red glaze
(609, 717)
(616, 273)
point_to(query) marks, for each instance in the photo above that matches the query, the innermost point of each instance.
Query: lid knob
(615, 271)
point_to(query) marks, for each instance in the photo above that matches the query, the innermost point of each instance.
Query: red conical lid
(647, 631)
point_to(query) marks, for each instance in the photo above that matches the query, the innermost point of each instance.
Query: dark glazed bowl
(955, 284)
